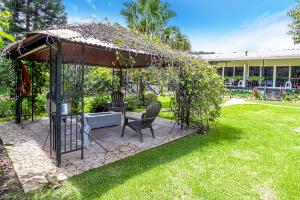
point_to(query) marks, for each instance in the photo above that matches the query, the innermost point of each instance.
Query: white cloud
(264, 33)
(90, 2)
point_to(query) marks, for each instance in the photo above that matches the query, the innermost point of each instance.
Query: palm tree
(175, 39)
(147, 16)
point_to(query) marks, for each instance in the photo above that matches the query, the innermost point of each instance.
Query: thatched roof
(101, 42)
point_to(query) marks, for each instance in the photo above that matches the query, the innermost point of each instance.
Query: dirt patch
(266, 194)
(10, 188)
(297, 130)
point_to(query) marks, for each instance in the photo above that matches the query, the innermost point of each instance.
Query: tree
(151, 17)
(147, 16)
(31, 15)
(175, 38)
(295, 25)
(4, 27)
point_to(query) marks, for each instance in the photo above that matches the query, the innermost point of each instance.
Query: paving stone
(31, 163)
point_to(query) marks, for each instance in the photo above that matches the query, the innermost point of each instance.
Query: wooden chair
(145, 122)
(117, 103)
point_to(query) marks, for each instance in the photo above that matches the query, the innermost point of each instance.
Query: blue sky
(212, 25)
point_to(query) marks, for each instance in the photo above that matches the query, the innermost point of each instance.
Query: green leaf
(7, 36)
(1, 43)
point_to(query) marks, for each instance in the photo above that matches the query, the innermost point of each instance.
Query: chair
(117, 103)
(145, 122)
(288, 85)
(240, 83)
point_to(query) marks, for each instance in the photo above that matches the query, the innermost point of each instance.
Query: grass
(165, 101)
(252, 152)
(280, 103)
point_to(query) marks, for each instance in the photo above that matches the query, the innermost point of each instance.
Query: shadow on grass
(96, 182)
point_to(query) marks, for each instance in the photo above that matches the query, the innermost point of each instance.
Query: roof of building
(101, 42)
(248, 55)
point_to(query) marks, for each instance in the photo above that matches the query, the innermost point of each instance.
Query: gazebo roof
(102, 45)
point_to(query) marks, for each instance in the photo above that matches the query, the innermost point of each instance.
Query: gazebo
(67, 50)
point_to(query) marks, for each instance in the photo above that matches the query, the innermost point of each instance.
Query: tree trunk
(28, 15)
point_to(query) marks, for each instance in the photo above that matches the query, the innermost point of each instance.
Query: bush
(256, 94)
(7, 107)
(133, 102)
(227, 92)
(241, 93)
(292, 95)
(99, 103)
(203, 90)
(150, 97)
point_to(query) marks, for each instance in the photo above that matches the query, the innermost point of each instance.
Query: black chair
(117, 103)
(145, 122)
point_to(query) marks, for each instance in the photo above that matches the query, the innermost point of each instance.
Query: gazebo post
(58, 104)
(18, 96)
(82, 101)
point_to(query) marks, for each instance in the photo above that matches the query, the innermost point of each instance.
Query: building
(274, 69)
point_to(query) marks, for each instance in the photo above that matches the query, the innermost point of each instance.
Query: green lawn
(252, 152)
(280, 103)
(165, 101)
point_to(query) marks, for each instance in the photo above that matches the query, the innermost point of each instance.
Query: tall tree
(31, 15)
(147, 16)
(151, 17)
(175, 38)
(4, 27)
(295, 25)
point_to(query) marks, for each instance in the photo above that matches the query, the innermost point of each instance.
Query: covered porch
(273, 69)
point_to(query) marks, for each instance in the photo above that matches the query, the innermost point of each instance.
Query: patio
(32, 163)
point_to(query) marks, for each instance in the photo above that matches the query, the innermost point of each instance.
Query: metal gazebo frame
(68, 46)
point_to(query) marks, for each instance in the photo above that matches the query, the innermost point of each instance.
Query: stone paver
(32, 163)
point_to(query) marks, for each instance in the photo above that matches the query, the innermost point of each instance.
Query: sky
(211, 25)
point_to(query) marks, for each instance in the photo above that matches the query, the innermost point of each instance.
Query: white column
(223, 70)
(260, 75)
(290, 72)
(245, 76)
(274, 76)
(233, 71)
(260, 71)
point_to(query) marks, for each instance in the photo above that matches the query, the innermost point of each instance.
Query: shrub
(99, 103)
(241, 93)
(150, 97)
(292, 95)
(7, 107)
(256, 93)
(227, 92)
(133, 102)
(202, 90)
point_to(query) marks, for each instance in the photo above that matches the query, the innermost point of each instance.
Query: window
(228, 71)
(282, 76)
(267, 73)
(295, 76)
(254, 78)
(239, 72)
(254, 71)
(219, 71)
(296, 72)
